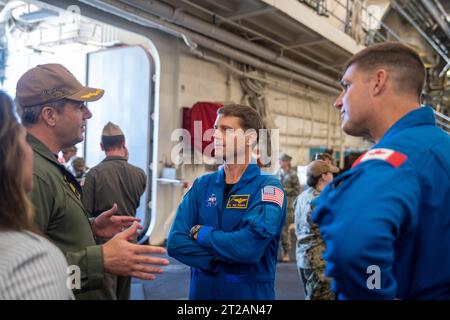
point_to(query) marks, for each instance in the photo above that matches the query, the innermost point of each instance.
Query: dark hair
(78, 165)
(312, 181)
(408, 69)
(16, 211)
(30, 115)
(249, 117)
(113, 142)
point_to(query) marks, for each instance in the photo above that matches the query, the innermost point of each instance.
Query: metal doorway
(126, 74)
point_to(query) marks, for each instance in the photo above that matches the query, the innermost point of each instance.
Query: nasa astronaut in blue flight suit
(386, 222)
(228, 225)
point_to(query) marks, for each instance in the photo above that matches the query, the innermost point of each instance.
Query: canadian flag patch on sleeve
(272, 194)
(393, 157)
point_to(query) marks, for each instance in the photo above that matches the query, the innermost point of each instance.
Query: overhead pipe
(186, 20)
(418, 12)
(259, 64)
(442, 10)
(311, 118)
(151, 21)
(405, 15)
(262, 36)
(141, 20)
(429, 5)
(316, 136)
(436, 12)
(443, 24)
(271, 83)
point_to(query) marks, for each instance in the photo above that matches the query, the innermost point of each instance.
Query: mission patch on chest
(238, 201)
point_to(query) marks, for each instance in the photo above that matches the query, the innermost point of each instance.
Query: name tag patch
(238, 201)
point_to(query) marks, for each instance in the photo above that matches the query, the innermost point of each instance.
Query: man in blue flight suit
(386, 222)
(228, 225)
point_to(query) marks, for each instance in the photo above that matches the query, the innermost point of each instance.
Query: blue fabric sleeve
(179, 244)
(246, 245)
(360, 219)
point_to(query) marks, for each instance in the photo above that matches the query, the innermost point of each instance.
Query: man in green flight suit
(51, 103)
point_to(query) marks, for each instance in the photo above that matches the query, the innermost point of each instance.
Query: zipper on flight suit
(224, 203)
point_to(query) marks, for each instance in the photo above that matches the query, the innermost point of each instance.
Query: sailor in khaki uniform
(114, 181)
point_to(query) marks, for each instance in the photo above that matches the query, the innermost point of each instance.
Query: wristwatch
(194, 230)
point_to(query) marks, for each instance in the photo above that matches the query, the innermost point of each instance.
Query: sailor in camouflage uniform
(289, 180)
(310, 246)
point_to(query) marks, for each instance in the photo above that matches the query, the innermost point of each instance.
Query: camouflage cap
(284, 157)
(51, 82)
(111, 129)
(319, 167)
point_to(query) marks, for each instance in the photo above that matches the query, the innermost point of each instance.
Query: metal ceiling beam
(429, 5)
(418, 13)
(318, 54)
(250, 13)
(396, 6)
(441, 9)
(122, 16)
(222, 5)
(300, 44)
(260, 36)
(271, 29)
(186, 20)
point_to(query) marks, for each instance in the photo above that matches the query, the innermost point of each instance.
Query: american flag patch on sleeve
(272, 194)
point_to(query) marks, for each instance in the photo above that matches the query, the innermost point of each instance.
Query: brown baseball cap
(51, 82)
(319, 167)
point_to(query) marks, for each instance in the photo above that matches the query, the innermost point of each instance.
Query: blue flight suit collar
(250, 172)
(420, 116)
(230, 221)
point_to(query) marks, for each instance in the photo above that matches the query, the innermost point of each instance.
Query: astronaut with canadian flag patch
(386, 221)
